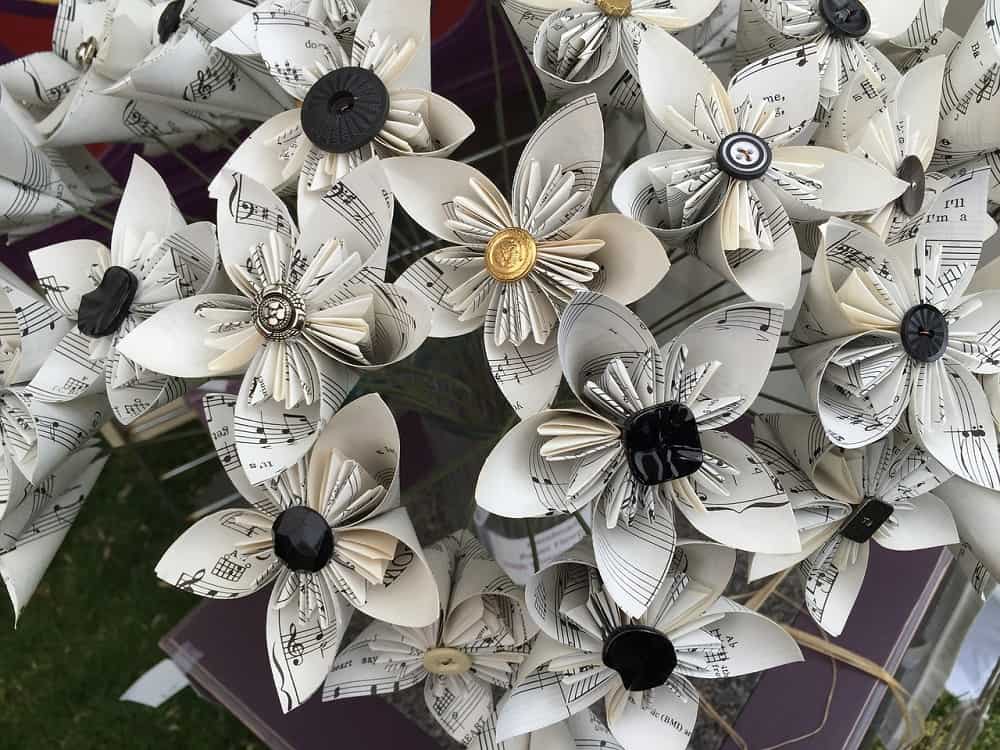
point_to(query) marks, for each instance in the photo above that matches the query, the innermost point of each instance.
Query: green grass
(94, 622)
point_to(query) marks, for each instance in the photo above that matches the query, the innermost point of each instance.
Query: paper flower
(60, 92)
(36, 437)
(890, 330)
(582, 46)
(843, 31)
(40, 187)
(479, 640)
(725, 165)
(589, 649)
(968, 138)
(35, 518)
(155, 259)
(643, 440)
(898, 134)
(513, 265)
(843, 499)
(171, 59)
(378, 102)
(312, 312)
(328, 532)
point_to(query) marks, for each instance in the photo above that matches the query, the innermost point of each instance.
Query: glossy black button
(924, 332)
(642, 656)
(662, 443)
(170, 20)
(866, 521)
(303, 539)
(103, 310)
(911, 171)
(345, 109)
(846, 17)
(744, 156)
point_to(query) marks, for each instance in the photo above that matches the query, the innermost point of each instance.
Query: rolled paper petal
(301, 652)
(205, 560)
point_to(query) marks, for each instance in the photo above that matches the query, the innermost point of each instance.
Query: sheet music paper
(826, 486)
(561, 461)
(853, 363)
(377, 565)
(740, 227)
(332, 276)
(577, 48)
(170, 259)
(483, 619)
(565, 674)
(552, 191)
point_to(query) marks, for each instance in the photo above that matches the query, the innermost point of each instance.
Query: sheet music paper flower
(478, 642)
(968, 138)
(328, 532)
(311, 314)
(899, 135)
(172, 61)
(845, 499)
(582, 46)
(844, 32)
(726, 165)
(643, 441)
(155, 259)
(40, 187)
(589, 650)
(60, 92)
(511, 266)
(890, 330)
(377, 102)
(35, 518)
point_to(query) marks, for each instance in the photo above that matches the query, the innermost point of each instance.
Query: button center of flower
(303, 540)
(511, 255)
(279, 313)
(103, 310)
(924, 333)
(345, 109)
(743, 156)
(866, 520)
(445, 661)
(662, 443)
(616, 8)
(642, 656)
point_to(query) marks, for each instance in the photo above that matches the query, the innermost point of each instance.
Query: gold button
(615, 7)
(510, 255)
(447, 661)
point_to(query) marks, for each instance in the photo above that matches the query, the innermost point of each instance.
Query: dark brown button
(345, 109)
(642, 656)
(103, 310)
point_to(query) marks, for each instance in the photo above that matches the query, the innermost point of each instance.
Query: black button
(846, 17)
(103, 310)
(866, 521)
(642, 656)
(924, 332)
(911, 171)
(662, 443)
(345, 109)
(303, 539)
(170, 20)
(744, 156)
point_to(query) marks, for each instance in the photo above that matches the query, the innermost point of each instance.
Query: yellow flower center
(447, 661)
(615, 7)
(511, 255)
